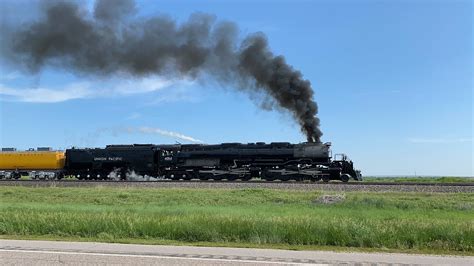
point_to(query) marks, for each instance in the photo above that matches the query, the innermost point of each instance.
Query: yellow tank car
(32, 160)
(36, 164)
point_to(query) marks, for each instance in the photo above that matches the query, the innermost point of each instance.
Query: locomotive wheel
(217, 177)
(326, 178)
(246, 177)
(345, 178)
(294, 178)
(188, 176)
(268, 177)
(285, 178)
(104, 176)
(234, 177)
(203, 176)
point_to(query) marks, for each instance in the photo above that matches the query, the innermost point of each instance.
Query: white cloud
(181, 92)
(133, 116)
(81, 90)
(46, 95)
(440, 140)
(10, 76)
(142, 86)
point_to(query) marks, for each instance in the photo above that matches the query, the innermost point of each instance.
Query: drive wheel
(234, 177)
(246, 178)
(204, 177)
(217, 177)
(269, 177)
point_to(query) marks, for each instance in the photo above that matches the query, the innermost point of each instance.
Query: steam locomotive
(228, 161)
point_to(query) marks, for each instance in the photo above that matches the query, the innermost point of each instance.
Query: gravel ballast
(393, 187)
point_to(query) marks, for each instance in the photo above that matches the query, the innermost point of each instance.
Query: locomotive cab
(167, 157)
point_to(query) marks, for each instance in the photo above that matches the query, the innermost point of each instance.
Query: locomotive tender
(230, 161)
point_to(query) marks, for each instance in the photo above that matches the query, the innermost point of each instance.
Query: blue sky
(393, 80)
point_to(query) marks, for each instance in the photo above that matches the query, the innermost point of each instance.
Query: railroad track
(28, 181)
(305, 186)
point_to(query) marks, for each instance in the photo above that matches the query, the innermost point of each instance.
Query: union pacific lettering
(108, 158)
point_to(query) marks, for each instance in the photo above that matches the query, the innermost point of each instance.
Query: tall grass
(418, 221)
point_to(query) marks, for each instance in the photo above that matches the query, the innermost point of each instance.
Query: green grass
(409, 222)
(444, 179)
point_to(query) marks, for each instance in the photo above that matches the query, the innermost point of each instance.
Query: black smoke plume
(114, 40)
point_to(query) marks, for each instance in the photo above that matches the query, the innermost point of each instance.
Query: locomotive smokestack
(112, 40)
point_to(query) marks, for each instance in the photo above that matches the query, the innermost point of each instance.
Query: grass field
(443, 179)
(408, 222)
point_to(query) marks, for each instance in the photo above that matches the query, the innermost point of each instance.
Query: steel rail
(355, 183)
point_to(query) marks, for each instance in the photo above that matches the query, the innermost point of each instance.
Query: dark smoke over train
(113, 40)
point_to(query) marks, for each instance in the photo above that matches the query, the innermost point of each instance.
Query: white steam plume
(151, 130)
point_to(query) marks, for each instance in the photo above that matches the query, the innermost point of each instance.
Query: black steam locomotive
(230, 161)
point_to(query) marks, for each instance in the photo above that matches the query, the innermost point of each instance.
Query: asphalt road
(26, 252)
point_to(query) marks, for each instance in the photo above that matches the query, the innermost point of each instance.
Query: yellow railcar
(31, 160)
